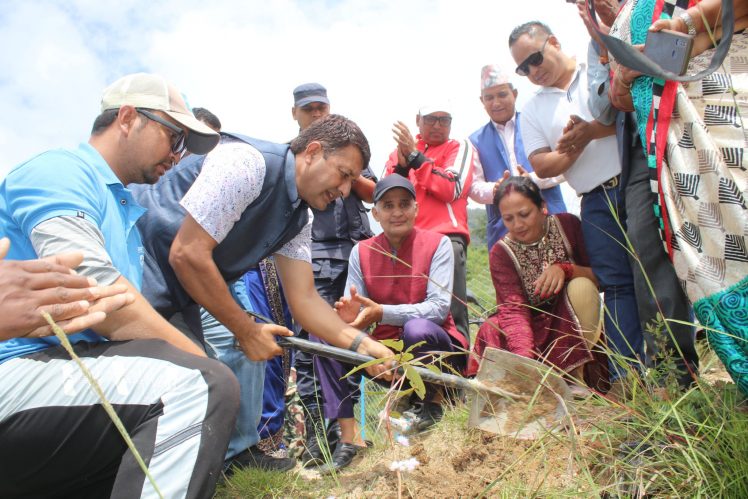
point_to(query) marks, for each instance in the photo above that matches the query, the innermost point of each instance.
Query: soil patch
(458, 463)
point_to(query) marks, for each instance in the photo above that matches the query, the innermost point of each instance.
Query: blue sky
(380, 60)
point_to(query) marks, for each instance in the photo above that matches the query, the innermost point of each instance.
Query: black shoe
(312, 455)
(255, 458)
(423, 416)
(342, 457)
(333, 434)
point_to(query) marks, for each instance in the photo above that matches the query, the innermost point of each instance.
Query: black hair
(207, 117)
(103, 121)
(520, 185)
(532, 29)
(333, 132)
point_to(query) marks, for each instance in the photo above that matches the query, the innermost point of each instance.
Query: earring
(545, 211)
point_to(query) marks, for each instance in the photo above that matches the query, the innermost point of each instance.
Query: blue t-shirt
(76, 183)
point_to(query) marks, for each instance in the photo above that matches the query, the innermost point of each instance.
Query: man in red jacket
(441, 169)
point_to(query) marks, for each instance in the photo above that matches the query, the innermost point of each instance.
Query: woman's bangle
(687, 22)
(568, 269)
(357, 342)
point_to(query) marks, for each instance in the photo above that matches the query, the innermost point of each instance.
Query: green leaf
(432, 368)
(416, 345)
(372, 362)
(415, 380)
(396, 345)
(404, 358)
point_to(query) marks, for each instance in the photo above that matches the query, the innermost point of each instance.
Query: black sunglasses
(535, 59)
(177, 139)
(443, 120)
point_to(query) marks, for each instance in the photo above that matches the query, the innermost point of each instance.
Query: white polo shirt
(543, 120)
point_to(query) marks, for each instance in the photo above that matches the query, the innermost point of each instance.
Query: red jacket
(442, 185)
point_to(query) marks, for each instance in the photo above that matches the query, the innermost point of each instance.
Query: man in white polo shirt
(561, 137)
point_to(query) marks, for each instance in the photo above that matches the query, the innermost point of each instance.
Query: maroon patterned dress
(525, 324)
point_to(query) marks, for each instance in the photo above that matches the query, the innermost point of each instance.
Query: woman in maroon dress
(548, 306)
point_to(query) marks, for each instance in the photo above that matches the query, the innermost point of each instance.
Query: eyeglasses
(535, 59)
(431, 120)
(177, 138)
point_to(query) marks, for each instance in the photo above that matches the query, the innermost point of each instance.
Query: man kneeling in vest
(402, 281)
(214, 217)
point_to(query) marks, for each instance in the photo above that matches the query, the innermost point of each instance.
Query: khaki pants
(585, 300)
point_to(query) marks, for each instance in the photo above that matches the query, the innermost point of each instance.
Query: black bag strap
(628, 56)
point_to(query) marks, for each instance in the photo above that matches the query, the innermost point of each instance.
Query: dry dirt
(459, 463)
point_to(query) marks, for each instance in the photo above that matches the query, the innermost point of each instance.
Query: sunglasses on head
(535, 59)
(177, 137)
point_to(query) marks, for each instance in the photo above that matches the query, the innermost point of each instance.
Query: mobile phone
(670, 49)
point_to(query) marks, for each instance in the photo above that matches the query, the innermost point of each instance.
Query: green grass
(266, 484)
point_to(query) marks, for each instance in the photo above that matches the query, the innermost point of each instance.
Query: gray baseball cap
(393, 181)
(308, 93)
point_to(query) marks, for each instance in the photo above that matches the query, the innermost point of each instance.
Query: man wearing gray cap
(177, 405)
(334, 232)
(441, 169)
(502, 152)
(406, 297)
(310, 103)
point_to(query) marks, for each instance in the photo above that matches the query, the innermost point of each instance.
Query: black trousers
(656, 270)
(458, 307)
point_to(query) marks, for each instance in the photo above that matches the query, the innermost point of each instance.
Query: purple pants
(337, 392)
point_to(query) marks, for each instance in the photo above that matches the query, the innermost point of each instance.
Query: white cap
(153, 92)
(436, 107)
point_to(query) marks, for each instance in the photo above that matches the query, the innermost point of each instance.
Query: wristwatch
(411, 157)
(688, 21)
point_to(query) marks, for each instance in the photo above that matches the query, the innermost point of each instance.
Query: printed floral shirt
(230, 180)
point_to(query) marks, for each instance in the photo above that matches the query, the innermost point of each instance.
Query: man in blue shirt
(177, 405)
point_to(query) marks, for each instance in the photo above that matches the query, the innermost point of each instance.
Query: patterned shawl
(696, 149)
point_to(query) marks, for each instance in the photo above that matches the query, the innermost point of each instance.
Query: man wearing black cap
(177, 406)
(334, 232)
(400, 280)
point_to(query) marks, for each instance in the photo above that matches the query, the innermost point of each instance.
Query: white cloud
(378, 59)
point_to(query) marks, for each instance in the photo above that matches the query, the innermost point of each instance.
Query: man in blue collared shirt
(54, 437)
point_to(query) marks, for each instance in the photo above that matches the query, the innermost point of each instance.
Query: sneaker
(423, 416)
(255, 458)
(342, 457)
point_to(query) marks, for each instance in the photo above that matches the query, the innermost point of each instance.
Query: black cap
(308, 93)
(391, 182)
